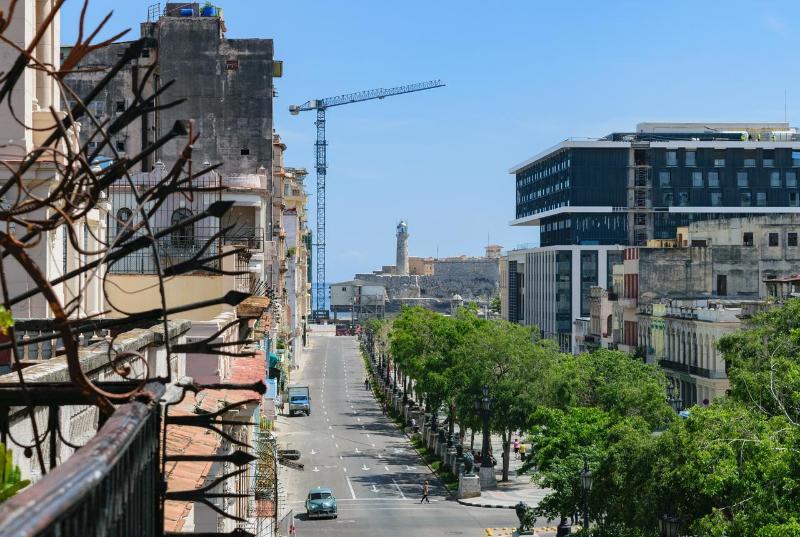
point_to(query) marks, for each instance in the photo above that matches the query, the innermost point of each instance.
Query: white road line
(364, 467)
(350, 486)
(337, 446)
(367, 433)
(386, 468)
(402, 496)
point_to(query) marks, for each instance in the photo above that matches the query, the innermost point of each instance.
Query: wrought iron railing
(251, 238)
(109, 487)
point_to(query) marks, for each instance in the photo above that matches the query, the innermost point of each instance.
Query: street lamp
(586, 484)
(483, 405)
(668, 526)
(674, 398)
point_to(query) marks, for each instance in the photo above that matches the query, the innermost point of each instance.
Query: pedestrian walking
(516, 448)
(366, 383)
(522, 452)
(425, 490)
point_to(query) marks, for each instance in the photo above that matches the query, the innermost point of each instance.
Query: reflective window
(761, 199)
(742, 180)
(667, 199)
(683, 199)
(697, 179)
(690, 158)
(791, 239)
(791, 178)
(719, 162)
(716, 198)
(663, 179)
(713, 178)
(745, 199)
(793, 199)
(796, 159)
(672, 158)
(775, 179)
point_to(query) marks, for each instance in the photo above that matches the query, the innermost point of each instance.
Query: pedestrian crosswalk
(508, 532)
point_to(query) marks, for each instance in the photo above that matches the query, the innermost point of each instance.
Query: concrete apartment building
(589, 197)
(672, 303)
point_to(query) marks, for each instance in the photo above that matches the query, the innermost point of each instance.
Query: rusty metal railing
(108, 487)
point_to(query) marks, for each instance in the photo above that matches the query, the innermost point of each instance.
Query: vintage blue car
(321, 503)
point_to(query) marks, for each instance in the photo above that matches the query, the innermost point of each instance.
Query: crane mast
(320, 105)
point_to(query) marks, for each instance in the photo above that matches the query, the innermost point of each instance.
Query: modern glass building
(628, 188)
(592, 197)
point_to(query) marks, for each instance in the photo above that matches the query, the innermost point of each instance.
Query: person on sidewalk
(516, 448)
(522, 452)
(425, 490)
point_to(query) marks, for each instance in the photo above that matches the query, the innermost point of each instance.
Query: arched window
(123, 217)
(183, 236)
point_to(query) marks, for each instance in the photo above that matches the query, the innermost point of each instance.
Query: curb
(486, 505)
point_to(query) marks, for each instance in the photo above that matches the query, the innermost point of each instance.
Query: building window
(120, 145)
(123, 217)
(667, 199)
(761, 199)
(722, 285)
(742, 180)
(775, 179)
(245, 151)
(672, 158)
(791, 239)
(750, 163)
(690, 158)
(791, 178)
(713, 179)
(719, 162)
(796, 159)
(119, 106)
(697, 179)
(663, 179)
(746, 199)
(716, 199)
(793, 199)
(183, 236)
(773, 239)
(747, 238)
(683, 199)
(769, 158)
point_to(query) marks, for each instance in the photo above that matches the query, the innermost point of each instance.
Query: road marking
(373, 445)
(364, 467)
(341, 458)
(313, 452)
(357, 451)
(345, 471)
(386, 468)
(374, 488)
(333, 436)
(350, 486)
(327, 419)
(402, 496)
(410, 468)
(337, 446)
(329, 427)
(367, 433)
(315, 469)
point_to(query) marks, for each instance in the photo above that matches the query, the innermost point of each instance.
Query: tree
(495, 305)
(503, 356)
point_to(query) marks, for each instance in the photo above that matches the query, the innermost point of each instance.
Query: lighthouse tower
(401, 267)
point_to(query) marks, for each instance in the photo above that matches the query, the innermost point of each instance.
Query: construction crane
(320, 105)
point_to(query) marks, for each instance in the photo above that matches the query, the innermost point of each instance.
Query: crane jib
(320, 105)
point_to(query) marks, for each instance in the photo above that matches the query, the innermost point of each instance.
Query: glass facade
(588, 278)
(564, 291)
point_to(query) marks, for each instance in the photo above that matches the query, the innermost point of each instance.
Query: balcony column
(92, 298)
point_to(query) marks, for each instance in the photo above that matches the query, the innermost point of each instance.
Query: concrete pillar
(44, 53)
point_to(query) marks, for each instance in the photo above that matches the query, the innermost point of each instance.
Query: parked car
(321, 503)
(341, 330)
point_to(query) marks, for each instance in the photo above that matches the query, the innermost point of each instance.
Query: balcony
(251, 238)
(692, 369)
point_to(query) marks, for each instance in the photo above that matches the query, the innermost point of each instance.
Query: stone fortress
(435, 282)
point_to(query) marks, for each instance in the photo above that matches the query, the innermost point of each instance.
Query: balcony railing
(172, 249)
(692, 369)
(109, 486)
(251, 238)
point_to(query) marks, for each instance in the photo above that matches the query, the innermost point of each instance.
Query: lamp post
(674, 397)
(483, 405)
(586, 484)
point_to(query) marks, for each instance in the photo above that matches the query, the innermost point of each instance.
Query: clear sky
(521, 76)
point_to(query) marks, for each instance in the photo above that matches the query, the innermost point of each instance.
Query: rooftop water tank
(208, 11)
(186, 12)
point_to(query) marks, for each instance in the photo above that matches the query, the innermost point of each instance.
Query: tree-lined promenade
(729, 469)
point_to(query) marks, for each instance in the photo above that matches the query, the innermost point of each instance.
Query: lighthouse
(401, 267)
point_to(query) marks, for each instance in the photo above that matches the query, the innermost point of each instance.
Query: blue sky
(521, 76)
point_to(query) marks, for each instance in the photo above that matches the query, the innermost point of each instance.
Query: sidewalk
(519, 488)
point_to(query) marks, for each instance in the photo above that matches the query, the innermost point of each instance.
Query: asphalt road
(376, 475)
